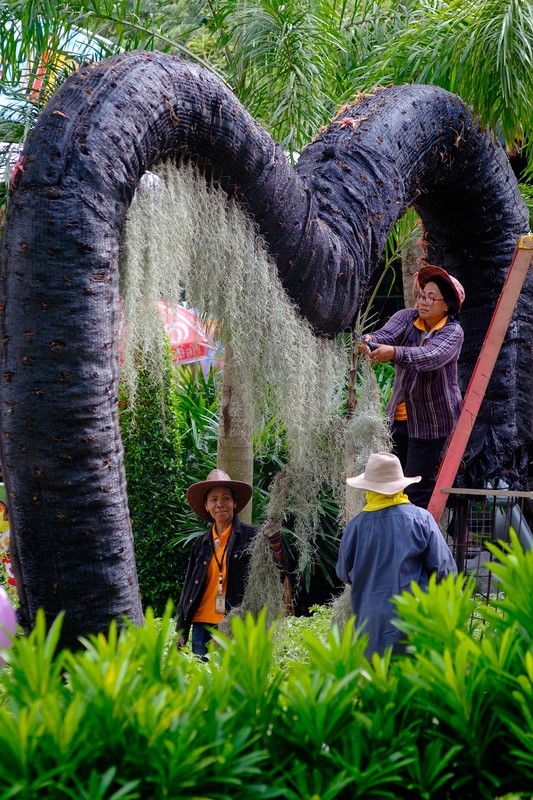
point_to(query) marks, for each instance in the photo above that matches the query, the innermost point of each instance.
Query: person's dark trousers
(417, 457)
(201, 635)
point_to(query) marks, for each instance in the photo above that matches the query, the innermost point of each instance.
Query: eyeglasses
(427, 299)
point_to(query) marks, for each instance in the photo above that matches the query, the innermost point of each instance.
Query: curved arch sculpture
(325, 223)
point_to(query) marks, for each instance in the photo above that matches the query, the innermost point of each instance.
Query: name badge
(220, 603)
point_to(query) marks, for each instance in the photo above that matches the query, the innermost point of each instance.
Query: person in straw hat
(215, 578)
(387, 546)
(424, 344)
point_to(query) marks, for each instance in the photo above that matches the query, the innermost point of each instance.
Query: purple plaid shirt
(425, 374)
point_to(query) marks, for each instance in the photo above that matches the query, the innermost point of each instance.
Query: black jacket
(238, 561)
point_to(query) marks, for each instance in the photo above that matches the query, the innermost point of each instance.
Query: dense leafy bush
(130, 716)
(197, 404)
(151, 431)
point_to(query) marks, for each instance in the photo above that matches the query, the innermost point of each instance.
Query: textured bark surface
(235, 431)
(325, 223)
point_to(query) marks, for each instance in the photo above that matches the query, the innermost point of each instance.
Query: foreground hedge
(130, 716)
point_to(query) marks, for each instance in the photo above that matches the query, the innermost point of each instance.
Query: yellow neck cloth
(376, 500)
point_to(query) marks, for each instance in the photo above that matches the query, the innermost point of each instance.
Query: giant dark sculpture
(325, 223)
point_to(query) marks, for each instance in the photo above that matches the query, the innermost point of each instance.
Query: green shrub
(197, 405)
(151, 433)
(292, 634)
(131, 716)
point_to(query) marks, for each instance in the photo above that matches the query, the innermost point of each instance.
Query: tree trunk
(235, 450)
(325, 223)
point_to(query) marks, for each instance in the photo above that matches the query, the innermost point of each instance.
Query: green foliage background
(151, 429)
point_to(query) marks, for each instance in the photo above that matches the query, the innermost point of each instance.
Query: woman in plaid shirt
(424, 344)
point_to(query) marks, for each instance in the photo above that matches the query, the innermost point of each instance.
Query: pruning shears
(371, 346)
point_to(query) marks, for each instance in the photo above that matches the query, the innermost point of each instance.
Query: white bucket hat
(383, 474)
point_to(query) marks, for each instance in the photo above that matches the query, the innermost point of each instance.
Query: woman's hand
(381, 353)
(363, 346)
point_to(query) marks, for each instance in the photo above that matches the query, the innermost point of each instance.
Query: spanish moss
(183, 237)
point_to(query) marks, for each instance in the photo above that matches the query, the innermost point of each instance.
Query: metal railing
(478, 516)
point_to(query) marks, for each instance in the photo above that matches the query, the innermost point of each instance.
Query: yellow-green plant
(131, 716)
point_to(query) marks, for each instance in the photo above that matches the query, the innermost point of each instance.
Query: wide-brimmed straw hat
(196, 493)
(430, 271)
(383, 474)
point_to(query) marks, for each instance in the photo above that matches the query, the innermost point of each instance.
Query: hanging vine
(183, 235)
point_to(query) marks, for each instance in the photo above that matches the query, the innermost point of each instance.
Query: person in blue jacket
(385, 547)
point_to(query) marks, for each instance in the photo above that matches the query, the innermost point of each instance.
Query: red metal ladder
(479, 380)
